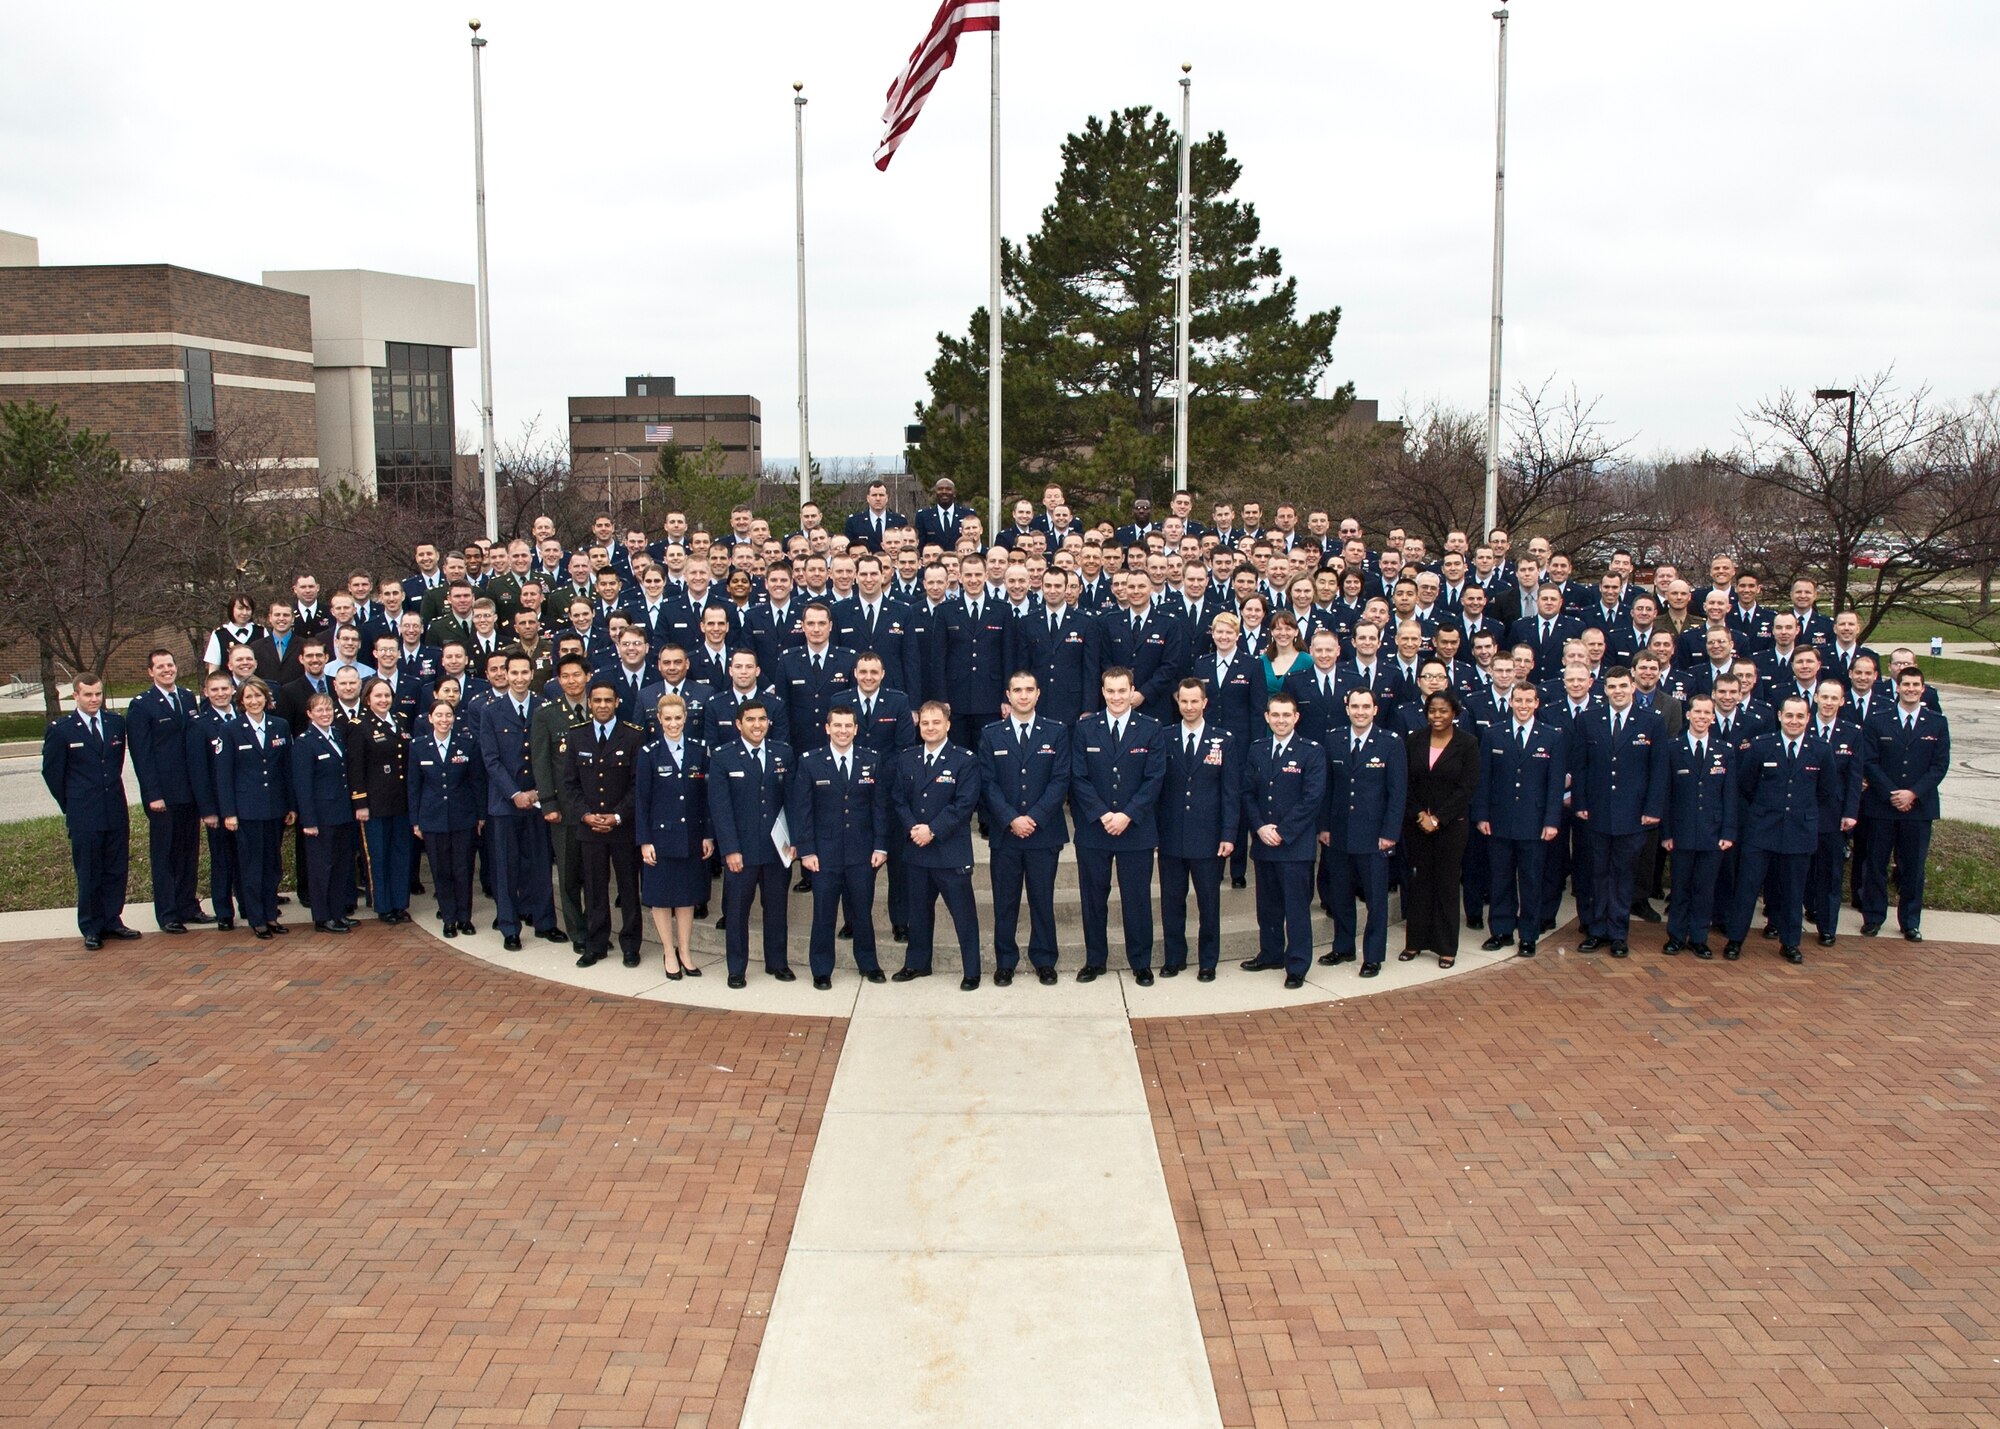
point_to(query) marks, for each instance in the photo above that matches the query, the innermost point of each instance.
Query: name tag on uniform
(322, 755)
(822, 783)
(583, 754)
(1770, 764)
(1092, 749)
(736, 774)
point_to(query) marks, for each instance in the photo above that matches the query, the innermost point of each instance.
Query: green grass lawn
(1943, 670)
(35, 870)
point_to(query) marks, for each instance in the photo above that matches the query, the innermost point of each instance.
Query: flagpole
(486, 472)
(799, 186)
(1499, 234)
(1181, 297)
(993, 319)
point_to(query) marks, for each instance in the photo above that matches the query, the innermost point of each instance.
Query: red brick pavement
(368, 1181)
(1578, 1192)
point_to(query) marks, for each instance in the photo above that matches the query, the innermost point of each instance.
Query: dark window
(415, 441)
(200, 390)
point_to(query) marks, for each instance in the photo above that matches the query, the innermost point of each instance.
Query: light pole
(1181, 297)
(799, 185)
(1841, 394)
(610, 477)
(1499, 244)
(486, 465)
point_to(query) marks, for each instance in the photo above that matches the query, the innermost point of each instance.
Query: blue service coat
(975, 656)
(840, 821)
(1520, 792)
(1065, 661)
(448, 786)
(1781, 798)
(1289, 792)
(670, 803)
(1618, 781)
(719, 717)
(1896, 758)
(1123, 776)
(1200, 800)
(810, 690)
(253, 782)
(156, 732)
(1365, 790)
(321, 790)
(1156, 654)
(945, 797)
(1702, 799)
(1030, 778)
(744, 805)
(506, 746)
(85, 775)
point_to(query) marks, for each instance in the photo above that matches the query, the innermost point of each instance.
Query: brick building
(617, 439)
(160, 359)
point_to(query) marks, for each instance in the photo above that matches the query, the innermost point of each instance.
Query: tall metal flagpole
(1181, 298)
(799, 182)
(993, 321)
(486, 460)
(1499, 237)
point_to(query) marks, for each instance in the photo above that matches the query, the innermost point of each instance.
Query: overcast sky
(1706, 202)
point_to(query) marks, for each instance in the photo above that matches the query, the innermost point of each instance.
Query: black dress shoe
(1619, 950)
(1239, 883)
(737, 980)
(804, 885)
(1258, 965)
(173, 927)
(876, 976)
(1826, 940)
(199, 918)
(1089, 974)
(92, 944)
(785, 975)
(1526, 950)
(1495, 943)
(1793, 955)
(1294, 981)
(968, 984)
(512, 943)
(451, 930)
(1645, 912)
(588, 960)
(1205, 975)
(1590, 944)
(281, 899)
(824, 984)
(337, 926)
(1671, 947)
(469, 929)
(1731, 951)
(1143, 977)
(1548, 925)
(1004, 978)
(1474, 921)
(1869, 930)
(722, 923)
(847, 930)
(900, 932)
(701, 910)
(122, 933)
(908, 974)
(224, 925)
(1704, 952)
(1329, 960)
(1172, 971)
(1911, 935)
(279, 928)
(1046, 976)
(1769, 930)
(1371, 969)
(631, 960)
(262, 930)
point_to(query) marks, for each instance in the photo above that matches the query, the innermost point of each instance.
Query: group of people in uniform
(585, 733)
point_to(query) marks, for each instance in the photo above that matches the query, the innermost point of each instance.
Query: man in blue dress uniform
(838, 809)
(1024, 765)
(1907, 753)
(1367, 778)
(157, 724)
(1200, 805)
(748, 780)
(520, 840)
(83, 763)
(1836, 821)
(935, 794)
(1620, 791)
(1784, 779)
(1117, 767)
(1284, 791)
(885, 725)
(1519, 807)
(1700, 825)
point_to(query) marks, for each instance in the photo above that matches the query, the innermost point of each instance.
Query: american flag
(931, 58)
(659, 432)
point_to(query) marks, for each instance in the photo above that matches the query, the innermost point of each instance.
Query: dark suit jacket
(1445, 788)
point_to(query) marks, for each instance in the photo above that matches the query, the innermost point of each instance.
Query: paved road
(1972, 791)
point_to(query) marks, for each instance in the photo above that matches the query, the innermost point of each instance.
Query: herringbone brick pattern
(1578, 1192)
(329, 1182)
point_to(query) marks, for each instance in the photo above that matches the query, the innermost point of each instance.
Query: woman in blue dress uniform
(670, 820)
(253, 794)
(325, 801)
(448, 811)
(378, 755)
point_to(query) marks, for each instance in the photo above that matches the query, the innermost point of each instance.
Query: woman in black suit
(1444, 772)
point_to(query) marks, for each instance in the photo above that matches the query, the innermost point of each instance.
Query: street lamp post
(1841, 394)
(799, 195)
(486, 463)
(1499, 238)
(1181, 297)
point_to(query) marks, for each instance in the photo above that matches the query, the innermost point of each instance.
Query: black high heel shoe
(691, 972)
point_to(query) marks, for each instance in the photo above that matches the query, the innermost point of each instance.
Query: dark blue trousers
(225, 876)
(768, 883)
(1909, 840)
(450, 852)
(1364, 876)
(852, 885)
(1787, 874)
(1284, 913)
(1517, 886)
(1691, 901)
(174, 839)
(330, 871)
(1567, 858)
(899, 885)
(389, 854)
(1134, 869)
(1823, 880)
(1614, 866)
(520, 852)
(102, 861)
(258, 842)
(1206, 876)
(1478, 875)
(1013, 868)
(954, 885)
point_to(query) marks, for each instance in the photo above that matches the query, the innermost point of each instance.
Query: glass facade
(414, 436)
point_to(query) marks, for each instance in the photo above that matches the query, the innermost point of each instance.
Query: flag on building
(659, 432)
(931, 58)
